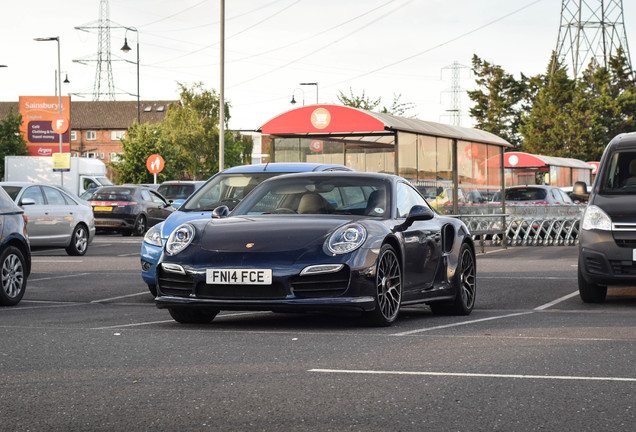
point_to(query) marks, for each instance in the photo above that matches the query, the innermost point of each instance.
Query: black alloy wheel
(388, 288)
(465, 286)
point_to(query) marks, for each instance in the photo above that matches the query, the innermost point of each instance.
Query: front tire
(590, 292)
(79, 241)
(13, 277)
(388, 282)
(192, 316)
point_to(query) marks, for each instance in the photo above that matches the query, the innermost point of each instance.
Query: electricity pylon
(591, 29)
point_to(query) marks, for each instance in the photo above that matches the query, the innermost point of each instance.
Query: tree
(141, 141)
(192, 128)
(364, 102)
(499, 100)
(545, 127)
(12, 142)
(188, 140)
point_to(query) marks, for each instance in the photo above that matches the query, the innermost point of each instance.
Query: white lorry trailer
(85, 173)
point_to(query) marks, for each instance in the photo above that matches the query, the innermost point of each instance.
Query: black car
(15, 251)
(128, 209)
(607, 241)
(320, 241)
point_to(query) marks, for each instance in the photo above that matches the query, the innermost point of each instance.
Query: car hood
(267, 233)
(179, 217)
(620, 208)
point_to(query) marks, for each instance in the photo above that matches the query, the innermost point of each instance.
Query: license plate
(238, 276)
(102, 208)
(634, 255)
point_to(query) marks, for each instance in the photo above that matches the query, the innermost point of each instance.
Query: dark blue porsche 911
(320, 241)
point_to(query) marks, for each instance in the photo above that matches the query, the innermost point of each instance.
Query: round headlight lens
(595, 218)
(153, 235)
(347, 239)
(179, 239)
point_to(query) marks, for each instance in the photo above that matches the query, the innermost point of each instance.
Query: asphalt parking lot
(87, 350)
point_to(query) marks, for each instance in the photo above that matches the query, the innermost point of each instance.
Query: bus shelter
(529, 169)
(442, 161)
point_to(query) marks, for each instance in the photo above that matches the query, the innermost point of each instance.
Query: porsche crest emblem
(249, 245)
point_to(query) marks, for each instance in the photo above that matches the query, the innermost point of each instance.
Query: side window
(53, 196)
(35, 194)
(156, 198)
(145, 195)
(407, 197)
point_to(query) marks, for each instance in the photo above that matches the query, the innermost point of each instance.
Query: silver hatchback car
(56, 218)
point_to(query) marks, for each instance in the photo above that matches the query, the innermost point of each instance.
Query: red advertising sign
(39, 113)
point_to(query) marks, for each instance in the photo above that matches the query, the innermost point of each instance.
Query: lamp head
(125, 48)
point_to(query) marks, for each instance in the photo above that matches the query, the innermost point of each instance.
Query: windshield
(620, 175)
(225, 189)
(317, 195)
(526, 194)
(104, 181)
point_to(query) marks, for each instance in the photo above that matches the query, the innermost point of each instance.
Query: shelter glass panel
(407, 159)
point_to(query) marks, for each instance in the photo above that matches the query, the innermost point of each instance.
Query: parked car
(56, 218)
(129, 209)
(607, 239)
(534, 194)
(225, 188)
(345, 241)
(176, 191)
(15, 251)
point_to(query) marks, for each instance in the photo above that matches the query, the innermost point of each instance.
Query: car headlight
(347, 239)
(595, 218)
(153, 235)
(179, 239)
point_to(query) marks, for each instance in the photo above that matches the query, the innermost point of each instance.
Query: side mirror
(418, 213)
(579, 191)
(27, 201)
(220, 212)
(176, 203)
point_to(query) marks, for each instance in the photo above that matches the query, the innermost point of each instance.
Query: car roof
(176, 182)
(327, 174)
(286, 167)
(25, 183)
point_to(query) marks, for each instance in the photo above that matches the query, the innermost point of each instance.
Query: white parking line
(410, 332)
(58, 277)
(559, 300)
(474, 375)
(168, 321)
(121, 297)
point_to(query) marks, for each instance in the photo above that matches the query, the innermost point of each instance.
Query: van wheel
(591, 292)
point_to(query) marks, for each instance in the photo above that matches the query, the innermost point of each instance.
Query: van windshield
(620, 175)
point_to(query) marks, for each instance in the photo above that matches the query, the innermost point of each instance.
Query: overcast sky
(381, 47)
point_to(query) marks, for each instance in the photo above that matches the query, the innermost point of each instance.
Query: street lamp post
(59, 84)
(293, 101)
(314, 84)
(125, 49)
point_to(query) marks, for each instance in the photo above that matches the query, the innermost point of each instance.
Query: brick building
(97, 127)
